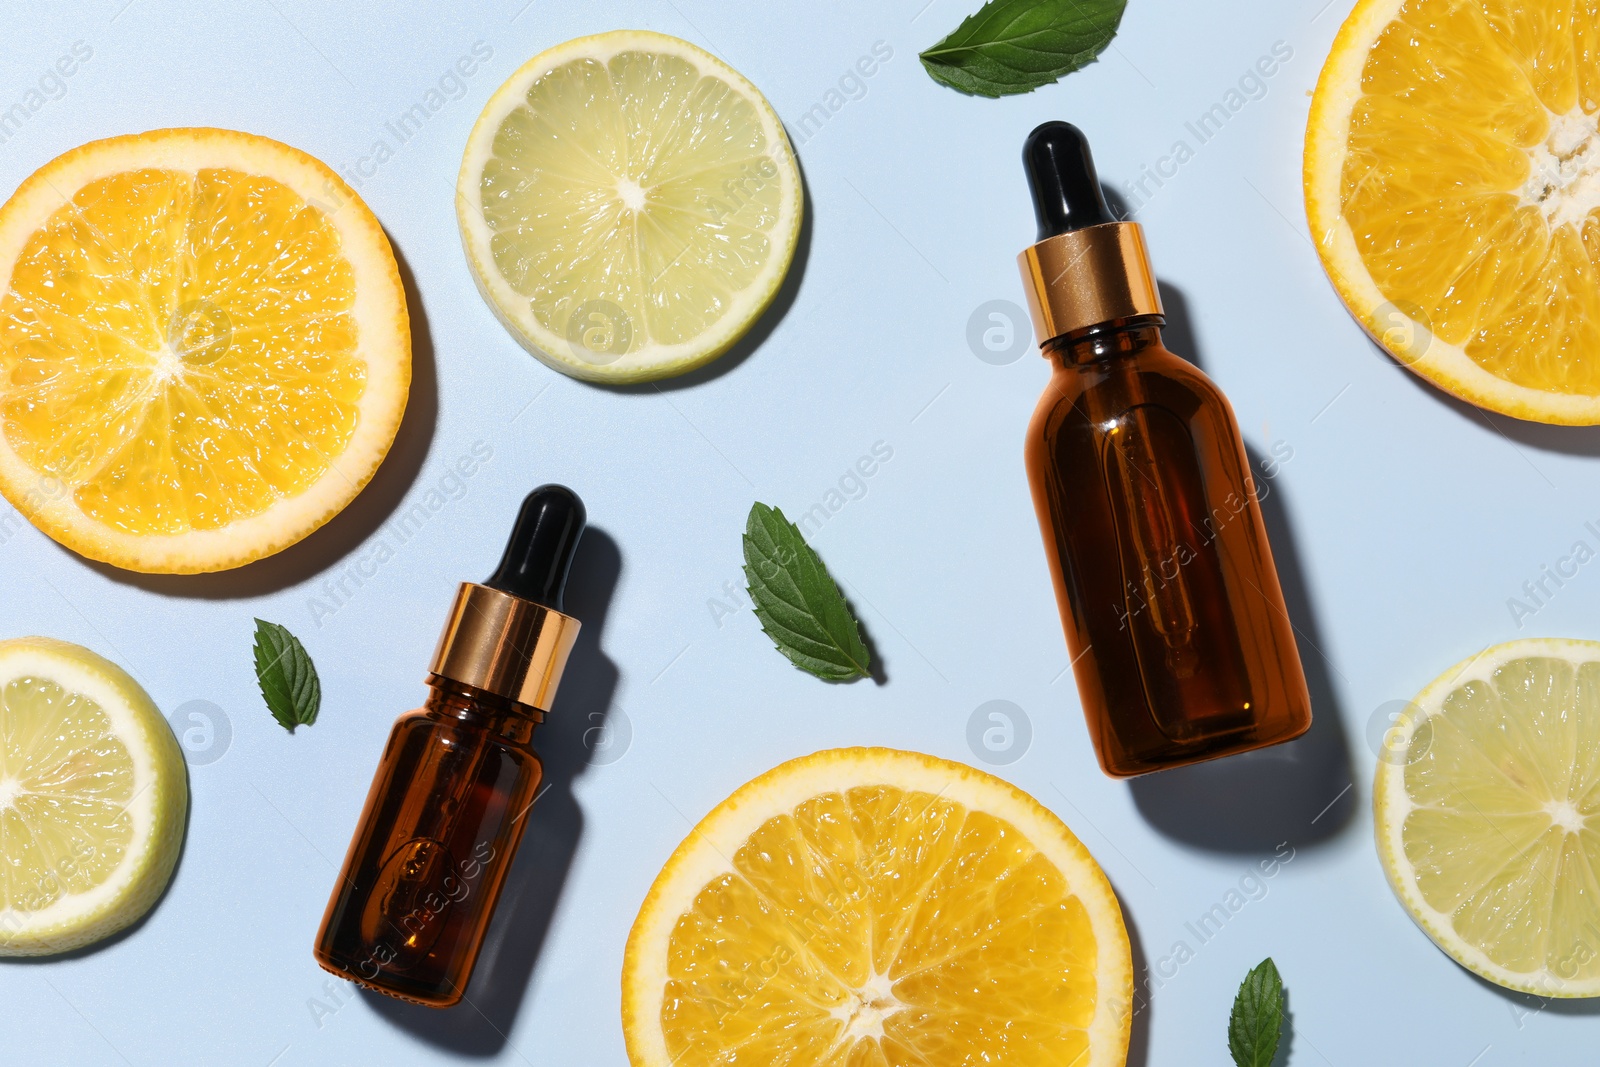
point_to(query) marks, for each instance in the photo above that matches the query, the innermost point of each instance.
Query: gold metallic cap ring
(1085, 277)
(505, 645)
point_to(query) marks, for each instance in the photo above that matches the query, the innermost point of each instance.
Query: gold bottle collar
(1086, 277)
(505, 645)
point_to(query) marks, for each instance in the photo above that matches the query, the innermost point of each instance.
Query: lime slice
(629, 205)
(92, 798)
(1487, 804)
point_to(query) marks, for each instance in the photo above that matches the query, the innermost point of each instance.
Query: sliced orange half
(865, 908)
(1452, 174)
(204, 348)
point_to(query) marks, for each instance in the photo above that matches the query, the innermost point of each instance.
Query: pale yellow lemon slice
(92, 798)
(1488, 814)
(629, 205)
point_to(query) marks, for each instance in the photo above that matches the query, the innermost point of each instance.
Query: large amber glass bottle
(1175, 621)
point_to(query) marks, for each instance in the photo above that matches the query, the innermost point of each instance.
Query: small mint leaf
(287, 677)
(1257, 1020)
(797, 602)
(1016, 46)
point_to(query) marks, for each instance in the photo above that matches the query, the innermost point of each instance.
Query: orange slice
(204, 348)
(1452, 173)
(865, 907)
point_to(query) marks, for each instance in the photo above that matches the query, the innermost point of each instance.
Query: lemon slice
(204, 348)
(92, 798)
(1452, 172)
(1488, 814)
(865, 906)
(629, 205)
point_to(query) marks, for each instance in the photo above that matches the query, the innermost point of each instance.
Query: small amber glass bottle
(1175, 622)
(451, 796)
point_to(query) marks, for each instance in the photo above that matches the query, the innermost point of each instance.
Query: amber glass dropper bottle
(1174, 618)
(451, 796)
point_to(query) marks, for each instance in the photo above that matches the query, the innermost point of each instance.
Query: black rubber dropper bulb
(541, 547)
(1066, 193)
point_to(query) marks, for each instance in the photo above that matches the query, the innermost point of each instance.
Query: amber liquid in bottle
(1175, 621)
(447, 808)
(453, 790)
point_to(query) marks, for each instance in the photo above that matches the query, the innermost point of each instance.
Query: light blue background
(1402, 523)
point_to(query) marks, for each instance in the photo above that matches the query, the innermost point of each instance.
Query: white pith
(863, 1017)
(631, 193)
(1564, 170)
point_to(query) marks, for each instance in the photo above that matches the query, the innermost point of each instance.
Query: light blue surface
(1403, 522)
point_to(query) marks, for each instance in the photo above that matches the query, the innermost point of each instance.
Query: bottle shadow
(1300, 792)
(1178, 333)
(582, 729)
(349, 529)
(746, 346)
(1117, 203)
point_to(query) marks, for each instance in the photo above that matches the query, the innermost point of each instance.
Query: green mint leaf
(1257, 1019)
(798, 604)
(287, 677)
(1015, 46)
